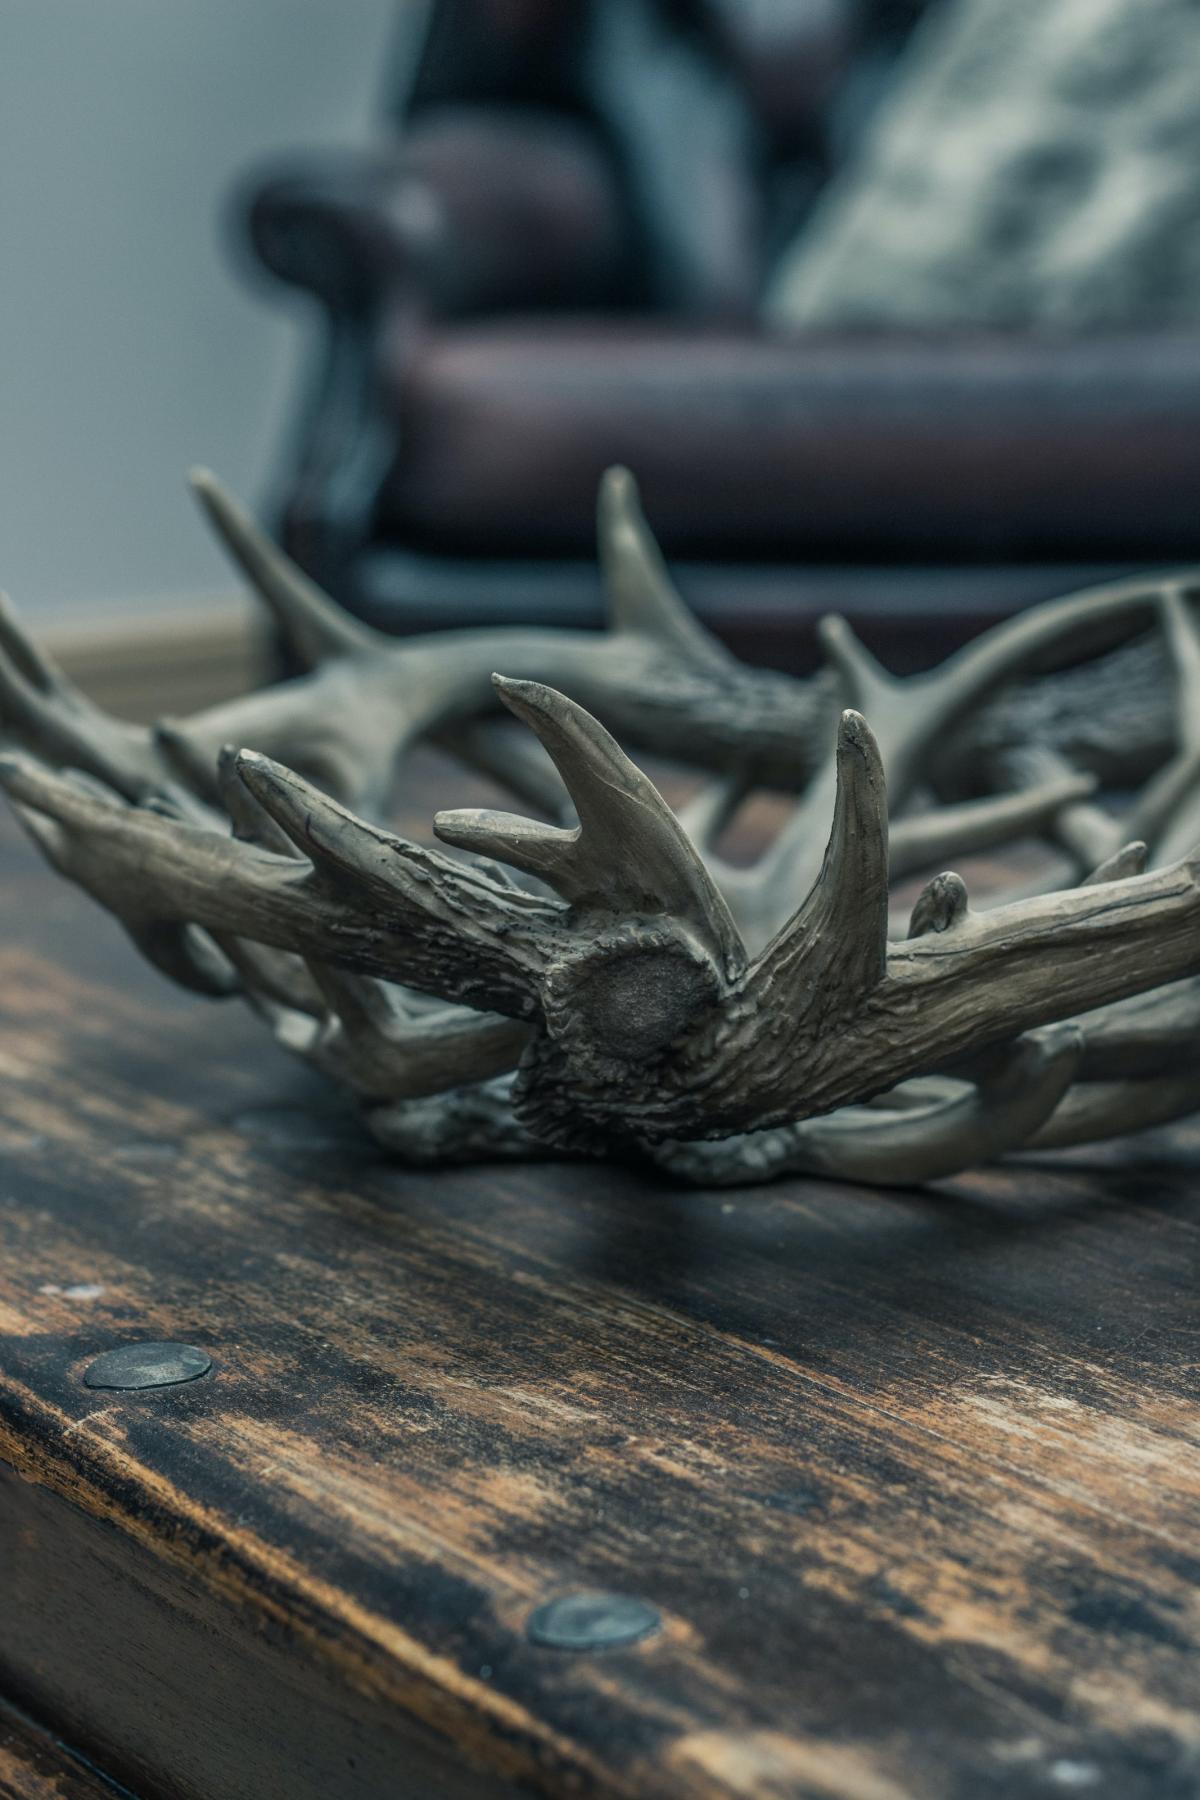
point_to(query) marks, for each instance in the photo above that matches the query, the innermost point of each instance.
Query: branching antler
(364, 698)
(649, 1023)
(623, 993)
(902, 1146)
(42, 711)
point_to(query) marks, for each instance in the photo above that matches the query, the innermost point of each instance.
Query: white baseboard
(149, 665)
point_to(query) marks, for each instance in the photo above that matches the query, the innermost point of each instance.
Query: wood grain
(911, 1477)
(35, 1766)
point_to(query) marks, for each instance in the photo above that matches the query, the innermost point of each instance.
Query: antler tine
(941, 905)
(762, 897)
(58, 797)
(905, 1147)
(629, 852)
(29, 662)
(833, 949)
(369, 901)
(54, 808)
(1183, 643)
(44, 713)
(249, 819)
(1107, 1109)
(866, 684)
(314, 629)
(909, 715)
(334, 840)
(1016, 646)
(1148, 1034)
(382, 1051)
(445, 929)
(1130, 859)
(356, 1000)
(1082, 828)
(974, 825)
(187, 956)
(1058, 955)
(367, 697)
(272, 981)
(642, 599)
(817, 1023)
(1167, 812)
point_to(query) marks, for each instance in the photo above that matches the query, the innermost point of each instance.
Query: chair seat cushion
(854, 447)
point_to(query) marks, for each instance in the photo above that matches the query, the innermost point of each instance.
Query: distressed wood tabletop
(909, 1479)
(35, 1765)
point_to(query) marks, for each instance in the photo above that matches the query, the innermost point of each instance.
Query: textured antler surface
(601, 981)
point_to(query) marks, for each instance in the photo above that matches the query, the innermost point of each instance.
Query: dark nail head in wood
(591, 1622)
(150, 1365)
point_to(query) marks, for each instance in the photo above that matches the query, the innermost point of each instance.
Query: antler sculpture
(601, 982)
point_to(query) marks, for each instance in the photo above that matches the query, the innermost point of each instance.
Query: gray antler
(605, 1001)
(628, 855)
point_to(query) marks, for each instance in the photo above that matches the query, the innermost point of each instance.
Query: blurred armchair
(555, 262)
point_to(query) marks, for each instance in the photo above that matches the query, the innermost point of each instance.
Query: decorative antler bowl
(598, 981)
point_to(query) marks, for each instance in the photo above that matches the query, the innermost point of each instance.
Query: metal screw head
(147, 1366)
(591, 1622)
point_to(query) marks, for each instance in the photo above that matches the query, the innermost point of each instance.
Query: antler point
(854, 733)
(941, 905)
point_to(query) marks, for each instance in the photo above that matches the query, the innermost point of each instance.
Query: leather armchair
(554, 263)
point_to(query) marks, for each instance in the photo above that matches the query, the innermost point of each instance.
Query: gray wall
(129, 349)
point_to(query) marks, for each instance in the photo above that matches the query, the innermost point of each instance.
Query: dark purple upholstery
(868, 449)
(438, 217)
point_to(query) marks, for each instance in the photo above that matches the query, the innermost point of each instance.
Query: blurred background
(128, 348)
(892, 307)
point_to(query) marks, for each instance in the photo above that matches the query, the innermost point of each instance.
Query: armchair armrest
(475, 209)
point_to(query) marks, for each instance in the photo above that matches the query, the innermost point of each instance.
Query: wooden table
(910, 1479)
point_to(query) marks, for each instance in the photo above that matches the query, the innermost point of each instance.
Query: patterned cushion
(1034, 161)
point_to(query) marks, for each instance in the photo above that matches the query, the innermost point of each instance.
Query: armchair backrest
(721, 114)
(512, 51)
